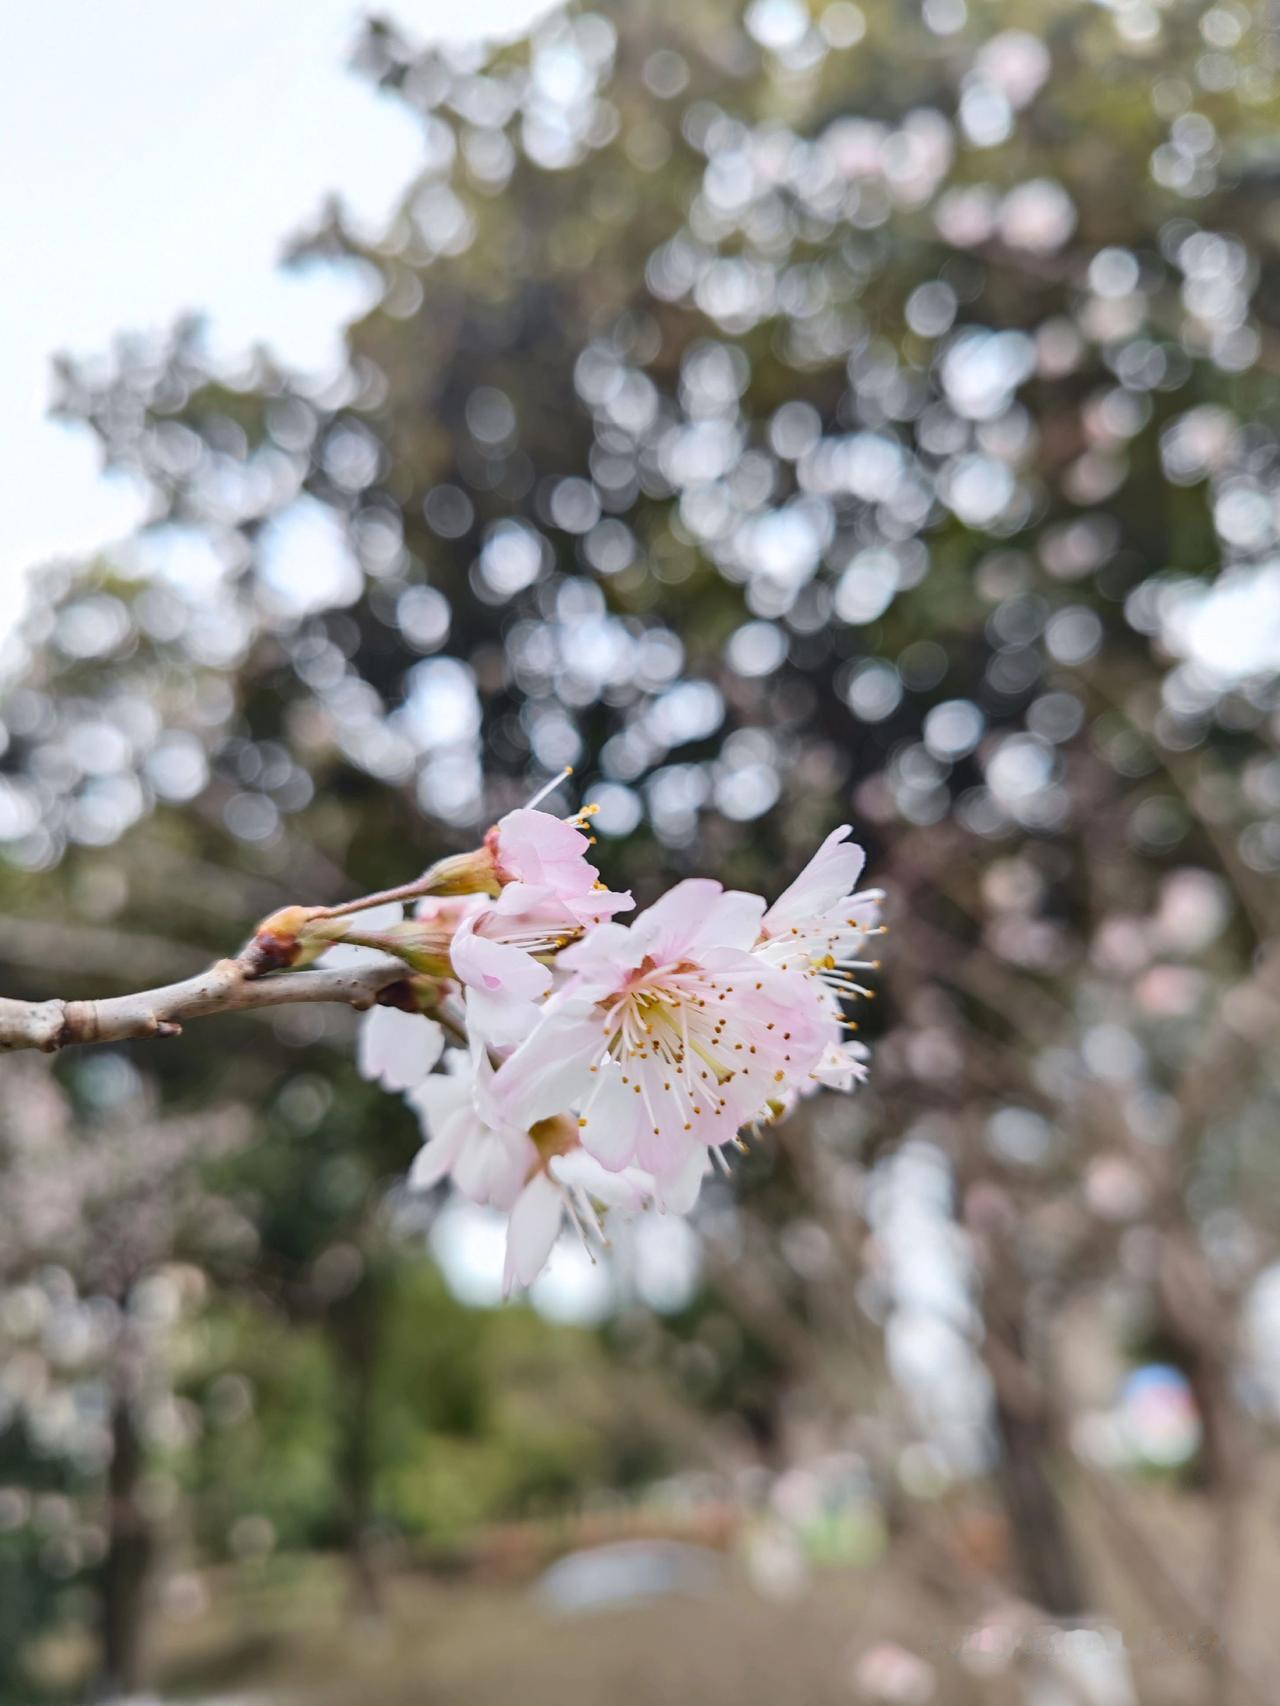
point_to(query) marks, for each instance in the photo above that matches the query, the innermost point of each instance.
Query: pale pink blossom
(489, 1163)
(534, 847)
(606, 1063)
(501, 951)
(574, 1186)
(670, 1036)
(539, 1178)
(817, 926)
(396, 1049)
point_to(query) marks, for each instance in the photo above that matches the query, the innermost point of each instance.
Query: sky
(154, 159)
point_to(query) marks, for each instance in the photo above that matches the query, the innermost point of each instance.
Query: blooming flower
(533, 847)
(539, 1178)
(670, 1036)
(397, 1050)
(576, 1186)
(487, 1162)
(607, 1062)
(817, 926)
(536, 848)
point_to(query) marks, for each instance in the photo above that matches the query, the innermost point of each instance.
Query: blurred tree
(786, 416)
(94, 1225)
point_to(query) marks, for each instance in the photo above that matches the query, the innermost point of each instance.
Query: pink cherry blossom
(493, 952)
(533, 847)
(607, 1063)
(538, 1182)
(671, 1035)
(817, 926)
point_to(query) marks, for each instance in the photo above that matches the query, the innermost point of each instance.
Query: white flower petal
(396, 1049)
(535, 1225)
(828, 877)
(612, 1119)
(550, 1070)
(435, 1158)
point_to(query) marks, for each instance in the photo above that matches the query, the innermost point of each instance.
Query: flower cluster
(606, 1064)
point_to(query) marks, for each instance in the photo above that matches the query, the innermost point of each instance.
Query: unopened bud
(414, 995)
(418, 942)
(292, 937)
(465, 873)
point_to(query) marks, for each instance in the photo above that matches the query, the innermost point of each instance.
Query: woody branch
(228, 986)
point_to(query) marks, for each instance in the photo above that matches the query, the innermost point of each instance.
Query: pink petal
(535, 847)
(496, 966)
(497, 1020)
(436, 1157)
(440, 1096)
(397, 1050)
(550, 1070)
(668, 1150)
(493, 1168)
(612, 1120)
(828, 877)
(733, 921)
(669, 927)
(678, 1191)
(609, 947)
(598, 903)
(627, 1191)
(535, 1224)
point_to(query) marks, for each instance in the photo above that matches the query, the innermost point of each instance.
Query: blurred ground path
(473, 1645)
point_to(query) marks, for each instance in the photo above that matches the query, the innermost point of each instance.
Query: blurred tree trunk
(354, 1336)
(127, 1561)
(1202, 1325)
(1024, 1416)
(1046, 1554)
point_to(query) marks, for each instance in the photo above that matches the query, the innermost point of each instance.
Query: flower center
(681, 1035)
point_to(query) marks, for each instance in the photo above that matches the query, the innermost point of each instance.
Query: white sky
(153, 159)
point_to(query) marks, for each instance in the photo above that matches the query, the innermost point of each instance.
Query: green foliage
(475, 1418)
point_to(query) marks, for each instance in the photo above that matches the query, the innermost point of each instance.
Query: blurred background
(787, 414)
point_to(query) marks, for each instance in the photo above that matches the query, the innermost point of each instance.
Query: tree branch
(228, 986)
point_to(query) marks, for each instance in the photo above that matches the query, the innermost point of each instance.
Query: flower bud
(464, 873)
(414, 995)
(421, 943)
(292, 937)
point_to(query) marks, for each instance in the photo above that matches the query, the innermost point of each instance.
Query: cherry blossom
(606, 1063)
(671, 1034)
(818, 927)
(487, 1162)
(397, 1050)
(576, 1187)
(539, 1178)
(533, 847)
(538, 849)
